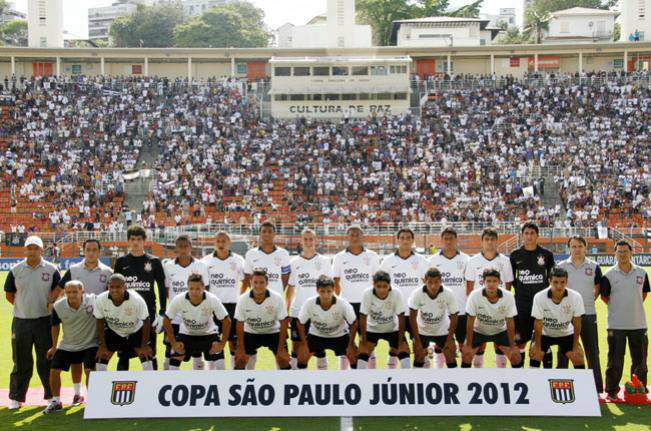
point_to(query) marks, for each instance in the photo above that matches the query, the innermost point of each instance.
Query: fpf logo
(123, 393)
(562, 391)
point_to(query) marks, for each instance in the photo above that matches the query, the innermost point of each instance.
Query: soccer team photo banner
(455, 392)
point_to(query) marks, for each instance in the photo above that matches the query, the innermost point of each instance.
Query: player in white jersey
(452, 264)
(353, 271)
(306, 270)
(488, 258)
(198, 334)
(328, 318)
(434, 315)
(274, 260)
(407, 270)
(261, 320)
(490, 312)
(382, 317)
(177, 272)
(123, 324)
(226, 270)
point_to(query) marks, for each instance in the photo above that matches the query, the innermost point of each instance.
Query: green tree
(470, 10)
(14, 33)
(536, 21)
(148, 26)
(617, 32)
(512, 36)
(554, 5)
(238, 24)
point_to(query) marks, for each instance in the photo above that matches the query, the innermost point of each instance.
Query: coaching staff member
(29, 287)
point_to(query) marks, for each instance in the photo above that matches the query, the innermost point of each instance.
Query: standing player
(382, 317)
(488, 258)
(306, 270)
(177, 272)
(226, 271)
(430, 307)
(141, 270)
(28, 288)
(123, 324)
(584, 277)
(353, 270)
(261, 322)
(557, 312)
(94, 275)
(452, 264)
(407, 270)
(490, 312)
(624, 287)
(79, 344)
(328, 319)
(274, 260)
(198, 334)
(531, 265)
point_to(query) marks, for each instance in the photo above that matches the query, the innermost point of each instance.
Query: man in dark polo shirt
(29, 287)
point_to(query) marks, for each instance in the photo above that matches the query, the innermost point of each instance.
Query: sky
(278, 12)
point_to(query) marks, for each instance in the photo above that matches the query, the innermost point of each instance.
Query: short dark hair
(490, 232)
(450, 231)
(195, 278)
(324, 281)
(433, 273)
(260, 272)
(136, 230)
(182, 238)
(405, 229)
(118, 277)
(624, 242)
(491, 272)
(558, 272)
(268, 223)
(577, 238)
(381, 276)
(89, 240)
(530, 224)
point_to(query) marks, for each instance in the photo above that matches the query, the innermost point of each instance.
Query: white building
(635, 20)
(197, 7)
(335, 29)
(12, 14)
(101, 18)
(506, 17)
(442, 31)
(581, 25)
(45, 23)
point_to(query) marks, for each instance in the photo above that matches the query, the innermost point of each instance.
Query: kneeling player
(329, 318)
(261, 317)
(79, 344)
(429, 308)
(198, 331)
(382, 317)
(490, 314)
(123, 324)
(558, 311)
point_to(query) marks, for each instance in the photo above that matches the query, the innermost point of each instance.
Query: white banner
(421, 392)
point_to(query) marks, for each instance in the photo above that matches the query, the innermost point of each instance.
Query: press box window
(331, 97)
(339, 71)
(321, 71)
(283, 71)
(360, 70)
(297, 97)
(378, 70)
(301, 71)
(348, 97)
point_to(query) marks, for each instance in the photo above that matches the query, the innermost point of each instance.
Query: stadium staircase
(138, 188)
(552, 195)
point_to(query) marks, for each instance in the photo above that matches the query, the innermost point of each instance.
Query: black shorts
(389, 337)
(64, 358)
(318, 345)
(293, 324)
(439, 340)
(523, 322)
(460, 332)
(252, 342)
(564, 344)
(116, 343)
(230, 308)
(197, 345)
(500, 339)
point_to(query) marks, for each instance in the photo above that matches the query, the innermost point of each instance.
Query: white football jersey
(225, 276)
(478, 263)
(176, 278)
(198, 319)
(305, 273)
(453, 275)
(557, 318)
(276, 263)
(125, 319)
(382, 314)
(330, 323)
(355, 273)
(433, 313)
(261, 318)
(406, 274)
(490, 318)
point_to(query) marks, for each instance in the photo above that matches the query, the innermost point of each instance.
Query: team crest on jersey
(277, 261)
(541, 260)
(501, 309)
(128, 311)
(148, 267)
(366, 261)
(566, 309)
(45, 276)
(589, 272)
(103, 278)
(205, 311)
(89, 309)
(639, 279)
(440, 303)
(460, 264)
(123, 393)
(269, 309)
(414, 265)
(317, 266)
(561, 391)
(233, 266)
(336, 316)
